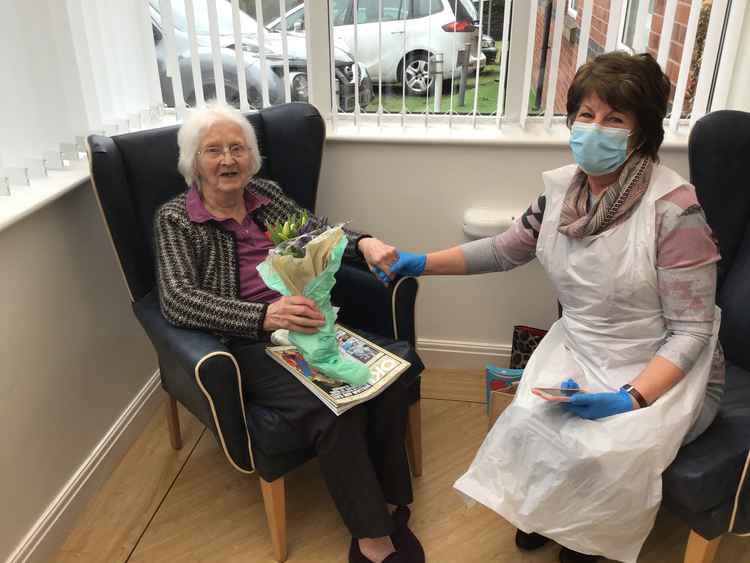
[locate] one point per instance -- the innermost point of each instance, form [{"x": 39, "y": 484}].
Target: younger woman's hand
[
  {"x": 409, "y": 264},
  {"x": 594, "y": 406},
  {"x": 294, "y": 313}
]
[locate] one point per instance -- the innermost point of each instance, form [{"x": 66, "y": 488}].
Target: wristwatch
[{"x": 635, "y": 394}]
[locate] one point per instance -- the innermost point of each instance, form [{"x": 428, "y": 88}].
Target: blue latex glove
[
  {"x": 381, "y": 275},
  {"x": 599, "y": 405},
  {"x": 569, "y": 384},
  {"x": 409, "y": 264}
]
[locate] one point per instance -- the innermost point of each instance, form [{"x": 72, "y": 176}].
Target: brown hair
[{"x": 630, "y": 84}]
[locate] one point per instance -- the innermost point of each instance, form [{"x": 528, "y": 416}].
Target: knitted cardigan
[{"x": 198, "y": 273}]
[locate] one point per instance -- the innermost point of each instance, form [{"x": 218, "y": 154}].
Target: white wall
[
  {"x": 414, "y": 196},
  {"x": 739, "y": 93},
  {"x": 73, "y": 355}
]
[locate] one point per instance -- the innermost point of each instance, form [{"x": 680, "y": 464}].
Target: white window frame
[
  {"x": 643, "y": 7},
  {"x": 572, "y": 10}
]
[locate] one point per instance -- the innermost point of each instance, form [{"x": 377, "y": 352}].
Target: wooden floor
[{"x": 191, "y": 506}]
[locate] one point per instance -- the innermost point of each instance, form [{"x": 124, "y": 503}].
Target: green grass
[{"x": 486, "y": 102}]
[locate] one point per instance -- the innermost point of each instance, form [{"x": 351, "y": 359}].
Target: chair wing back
[
  {"x": 134, "y": 173},
  {"x": 718, "y": 152}
]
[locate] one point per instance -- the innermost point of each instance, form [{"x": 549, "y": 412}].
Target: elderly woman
[
  {"x": 209, "y": 241},
  {"x": 627, "y": 248}
]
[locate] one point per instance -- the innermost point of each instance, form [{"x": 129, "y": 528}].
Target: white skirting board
[
  {"x": 56, "y": 522},
  {"x": 456, "y": 354}
]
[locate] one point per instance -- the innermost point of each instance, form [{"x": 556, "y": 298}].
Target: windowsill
[
  {"x": 25, "y": 200},
  {"x": 463, "y": 133}
]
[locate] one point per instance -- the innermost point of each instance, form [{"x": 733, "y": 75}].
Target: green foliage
[{"x": 291, "y": 228}]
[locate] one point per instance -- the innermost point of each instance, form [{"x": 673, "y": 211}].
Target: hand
[
  {"x": 294, "y": 313},
  {"x": 409, "y": 264},
  {"x": 569, "y": 385},
  {"x": 599, "y": 405},
  {"x": 379, "y": 256}
]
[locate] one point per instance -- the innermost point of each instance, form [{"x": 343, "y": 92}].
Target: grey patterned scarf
[{"x": 616, "y": 203}]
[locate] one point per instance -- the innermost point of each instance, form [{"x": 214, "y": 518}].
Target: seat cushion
[{"x": 706, "y": 472}]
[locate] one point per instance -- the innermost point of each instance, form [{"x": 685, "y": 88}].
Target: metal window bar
[
  {"x": 430, "y": 79},
  {"x": 380, "y": 63},
  {"x": 239, "y": 57},
  {"x": 710, "y": 59},
  {"x": 285, "y": 52},
  {"x": 503, "y": 64},
  {"x": 687, "y": 55},
  {"x": 529, "y": 61},
  {"x": 355, "y": 68},
  {"x": 403, "y": 69},
  {"x": 583, "y": 40},
  {"x": 262, "y": 53},
  {"x": 549, "y": 110},
  {"x": 194, "y": 56},
  {"x": 476, "y": 73},
  {"x": 149, "y": 52},
  {"x": 613, "y": 25},
  {"x": 213, "y": 29},
  {"x": 173, "y": 68},
  {"x": 640, "y": 40},
  {"x": 332, "y": 66},
  {"x": 667, "y": 27},
  {"x": 453, "y": 72}
]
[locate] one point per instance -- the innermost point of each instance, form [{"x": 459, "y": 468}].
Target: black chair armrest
[
  {"x": 368, "y": 305},
  {"x": 200, "y": 372}
]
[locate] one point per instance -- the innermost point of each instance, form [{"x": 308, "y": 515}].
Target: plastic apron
[{"x": 593, "y": 486}]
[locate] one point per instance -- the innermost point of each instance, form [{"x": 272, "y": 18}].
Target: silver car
[{"x": 296, "y": 49}]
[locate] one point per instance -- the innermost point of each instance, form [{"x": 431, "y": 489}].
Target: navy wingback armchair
[
  {"x": 133, "y": 174},
  {"x": 707, "y": 484}
]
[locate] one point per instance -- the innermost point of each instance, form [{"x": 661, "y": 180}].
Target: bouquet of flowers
[{"x": 304, "y": 262}]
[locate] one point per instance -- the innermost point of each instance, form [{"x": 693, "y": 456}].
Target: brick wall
[{"x": 597, "y": 41}]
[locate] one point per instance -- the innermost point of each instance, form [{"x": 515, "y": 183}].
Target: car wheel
[{"x": 418, "y": 80}]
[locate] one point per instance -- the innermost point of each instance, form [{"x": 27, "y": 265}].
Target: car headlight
[
  {"x": 299, "y": 88},
  {"x": 487, "y": 44}
]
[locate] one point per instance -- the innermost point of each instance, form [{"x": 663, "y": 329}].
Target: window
[
  {"x": 465, "y": 10},
  {"x": 636, "y": 26},
  {"x": 572, "y": 8},
  {"x": 426, "y": 8},
  {"x": 342, "y": 12},
  {"x": 293, "y": 18},
  {"x": 393, "y": 10}
]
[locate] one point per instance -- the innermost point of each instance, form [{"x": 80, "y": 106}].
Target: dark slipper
[
  {"x": 355, "y": 555},
  {"x": 527, "y": 542},
  {"x": 403, "y": 538},
  {"x": 570, "y": 556}
]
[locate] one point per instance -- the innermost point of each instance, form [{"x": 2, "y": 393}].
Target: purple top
[{"x": 252, "y": 244}]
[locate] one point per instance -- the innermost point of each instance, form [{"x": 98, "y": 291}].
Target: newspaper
[{"x": 338, "y": 396}]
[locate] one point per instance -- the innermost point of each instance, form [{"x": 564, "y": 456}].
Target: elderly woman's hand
[
  {"x": 378, "y": 255},
  {"x": 294, "y": 313}
]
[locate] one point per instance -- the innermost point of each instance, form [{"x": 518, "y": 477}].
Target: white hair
[{"x": 197, "y": 122}]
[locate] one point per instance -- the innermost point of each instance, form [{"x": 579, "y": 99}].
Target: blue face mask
[{"x": 598, "y": 150}]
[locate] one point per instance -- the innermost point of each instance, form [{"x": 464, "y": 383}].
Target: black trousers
[{"x": 361, "y": 452}]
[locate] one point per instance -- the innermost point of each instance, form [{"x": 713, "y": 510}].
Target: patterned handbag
[{"x": 525, "y": 341}]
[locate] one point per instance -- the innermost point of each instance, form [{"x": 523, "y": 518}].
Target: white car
[{"x": 411, "y": 31}]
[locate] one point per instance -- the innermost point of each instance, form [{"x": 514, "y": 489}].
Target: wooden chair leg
[
  {"x": 699, "y": 549},
  {"x": 173, "y": 421},
  {"x": 274, "y": 501},
  {"x": 414, "y": 438}
]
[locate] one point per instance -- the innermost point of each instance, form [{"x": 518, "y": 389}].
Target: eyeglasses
[{"x": 215, "y": 152}]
